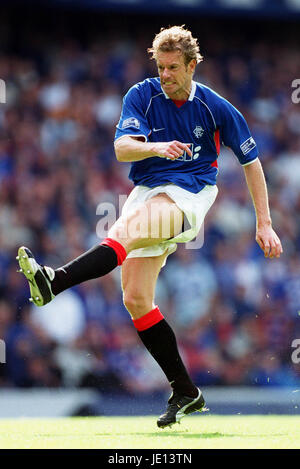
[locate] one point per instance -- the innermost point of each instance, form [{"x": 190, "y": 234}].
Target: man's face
[{"x": 175, "y": 76}]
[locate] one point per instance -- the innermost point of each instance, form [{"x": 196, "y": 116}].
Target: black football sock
[
  {"x": 161, "y": 342},
  {"x": 98, "y": 261}
]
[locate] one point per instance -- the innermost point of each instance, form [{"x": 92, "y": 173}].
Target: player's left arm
[
  {"x": 265, "y": 235},
  {"x": 236, "y": 135}
]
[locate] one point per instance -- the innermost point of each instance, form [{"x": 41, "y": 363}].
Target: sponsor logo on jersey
[
  {"x": 195, "y": 151},
  {"x": 248, "y": 145},
  {"x": 198, "y": 131},
  {"x": 131, "y": 122}
]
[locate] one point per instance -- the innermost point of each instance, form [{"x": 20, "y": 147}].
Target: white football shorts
[{"x": 194, "y": 207}]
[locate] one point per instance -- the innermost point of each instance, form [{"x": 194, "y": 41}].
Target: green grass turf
[{"x": 208, "y": 431}]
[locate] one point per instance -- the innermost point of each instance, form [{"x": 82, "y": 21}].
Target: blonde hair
[{"x": 176, "y": 38}]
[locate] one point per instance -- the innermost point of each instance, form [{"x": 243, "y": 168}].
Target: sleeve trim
[{"x": 250, "y": 162}]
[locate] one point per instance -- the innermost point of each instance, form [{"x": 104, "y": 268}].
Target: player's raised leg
[
  {"x": 45, "y": 282},
  {"x": 157, "y": 219},
  {"x": 139, "y": 277}
]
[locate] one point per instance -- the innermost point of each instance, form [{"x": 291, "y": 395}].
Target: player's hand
[
  {"x": 172, "y": 150},
  {"x": 268, "y": 241}
]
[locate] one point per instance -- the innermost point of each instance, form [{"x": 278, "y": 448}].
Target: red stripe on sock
[
  {"x": 117, "y": 247},
  {"x": 148, "y": 320}
]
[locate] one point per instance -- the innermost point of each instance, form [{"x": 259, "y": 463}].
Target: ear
[{"x": 192, "y": 65}]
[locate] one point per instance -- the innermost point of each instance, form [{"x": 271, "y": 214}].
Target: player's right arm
[
  {"x": 133, "y": 129},
  {"x": 129, "y": 148}
]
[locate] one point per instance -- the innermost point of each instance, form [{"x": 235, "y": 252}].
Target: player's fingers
[
  {"x": 266, "y": 249},
  {"x": 273, "y": 250},
  {"x": 184, "y": 147},
  {"x": 178, "y": 146},
  {"x": 278, "y": 249},
  {"x": 273, "y": 242},
  {"x": 176, "y": 150},
  {"x": 275, "y": 247},
  {"x": 270, "y": 246},
  {"x": 187, "y": 149},
  {"x": 172, "y": 154},
  {"x": 260, "y": 243},
  {"x": 264, "y": 245}
]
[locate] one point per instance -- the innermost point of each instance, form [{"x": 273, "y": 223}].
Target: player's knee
[{"x": 137, "y": 304}]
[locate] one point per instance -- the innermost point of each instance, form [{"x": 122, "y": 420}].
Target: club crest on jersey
[
  {"x": 131, "y": 122},
  {"x": 198, "y": 131}
]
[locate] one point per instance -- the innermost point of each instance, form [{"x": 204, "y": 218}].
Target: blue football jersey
[{"x": 205, "y": 120}]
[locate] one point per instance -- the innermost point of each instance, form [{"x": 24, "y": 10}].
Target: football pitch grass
[{"x": 197, "y": 432}]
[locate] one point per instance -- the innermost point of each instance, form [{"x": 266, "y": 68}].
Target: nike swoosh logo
[{"x": 157, "y": 130}]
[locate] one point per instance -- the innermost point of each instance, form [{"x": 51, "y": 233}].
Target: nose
[{"x": 165, "y": 73}]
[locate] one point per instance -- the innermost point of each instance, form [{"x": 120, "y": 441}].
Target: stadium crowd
[{"x": 235, "y": 313}]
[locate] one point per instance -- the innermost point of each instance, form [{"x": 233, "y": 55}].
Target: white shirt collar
[{"x": 193, "y": 91}]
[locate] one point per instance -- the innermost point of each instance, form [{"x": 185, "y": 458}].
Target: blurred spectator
[
  {"x": 63, "y": 319},
  {"x": 191, "y": 284}
]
